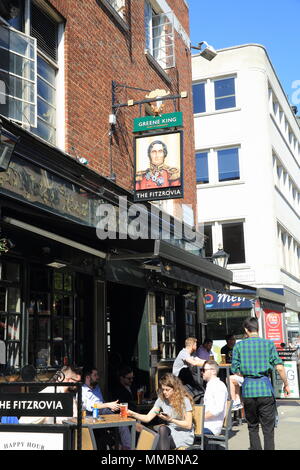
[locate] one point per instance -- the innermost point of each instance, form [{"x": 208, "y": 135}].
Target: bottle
[{"x": 95, "y": 412}]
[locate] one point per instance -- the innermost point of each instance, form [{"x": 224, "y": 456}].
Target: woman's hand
[{"x": 165, "y": 417}]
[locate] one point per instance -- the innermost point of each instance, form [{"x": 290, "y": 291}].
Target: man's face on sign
[{"x": 157, "y": 155}]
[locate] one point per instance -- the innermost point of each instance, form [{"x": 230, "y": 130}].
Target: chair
[
  {"x": 198, "y": 418},
  {"x": 87, "y": 440},
  {"x": 148, "y": 439},
  {"x": 222, "y": 439}
]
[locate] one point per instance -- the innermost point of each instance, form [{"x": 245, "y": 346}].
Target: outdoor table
[{"x": 106, "y": 421}]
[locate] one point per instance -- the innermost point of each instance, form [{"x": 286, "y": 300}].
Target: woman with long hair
[{"x": 174, "y": 406}]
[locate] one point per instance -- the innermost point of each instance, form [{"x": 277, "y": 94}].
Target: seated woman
[{"x": 174, "y": 406}]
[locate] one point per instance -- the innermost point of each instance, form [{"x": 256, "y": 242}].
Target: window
[
  {"x": 190, "y": 316},
  {"x": 224, "y": 93},
  {"x": 159, "y": 31},
  {"x": 45, "y": 30},
  {"x": 208, "y": 244},
  {"x": 202, "y": 167},
  {"x": 30, "y": 62},
  {"x": 233, "y": 241},
  {"x": 119, "y": 6},
  {"x": 228, "y": 164},
  {"x": 199, "y": 98},
  {"x": 165, "y": 310}
]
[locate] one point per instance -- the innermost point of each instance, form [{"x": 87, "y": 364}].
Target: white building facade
[{"x": 247, "y": 144}]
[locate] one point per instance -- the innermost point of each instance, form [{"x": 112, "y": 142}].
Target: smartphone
[{"x": 164, "y": 414}]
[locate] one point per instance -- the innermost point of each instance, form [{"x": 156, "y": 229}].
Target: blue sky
[{"x": 273, "y": 23}]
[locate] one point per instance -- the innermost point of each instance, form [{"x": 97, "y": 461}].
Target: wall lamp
[
  {"x": 208, "y": 52},
  {"x": 8, "y": 142},
  {"x": 220, "y": 257}
]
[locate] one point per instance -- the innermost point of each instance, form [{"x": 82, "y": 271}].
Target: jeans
[{"x": 260, "y": 410}]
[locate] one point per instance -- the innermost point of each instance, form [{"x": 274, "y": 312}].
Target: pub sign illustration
[{"x": 158, "y": 166}]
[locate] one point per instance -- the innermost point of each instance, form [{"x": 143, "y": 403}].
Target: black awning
[
  {"x": 173, "y": 262},
  {"x": 268, "y": 299}
]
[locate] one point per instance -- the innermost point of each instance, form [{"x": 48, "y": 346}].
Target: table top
[{"x": 103, "y": 420}]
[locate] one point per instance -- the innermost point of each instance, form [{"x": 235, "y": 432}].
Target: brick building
[{"x": 64, "y": 65}]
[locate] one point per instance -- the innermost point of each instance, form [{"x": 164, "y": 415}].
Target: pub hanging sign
[
  {"x": 148, "y": 123},
  {"x": 158, "y": 169}
]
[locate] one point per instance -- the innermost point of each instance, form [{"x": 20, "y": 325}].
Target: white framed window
[
  {"x": 224, "y": 89},
  {"x": 119, "y": 6},
  {"x": 43, "y": 30},
  {"x": 230, "y": 235},
  {"x": 159, "y": 36},
  {"x": 18, "y": 76},
  {"x": 219, "y": 165}
]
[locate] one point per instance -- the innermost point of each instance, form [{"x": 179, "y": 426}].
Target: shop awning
[{"x": 173, "y": 262}]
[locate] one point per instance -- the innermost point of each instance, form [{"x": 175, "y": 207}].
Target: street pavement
[{"x": 287, "y": 433}]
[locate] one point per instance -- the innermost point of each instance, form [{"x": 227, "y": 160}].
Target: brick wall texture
[{"x": 97, "y": 51}]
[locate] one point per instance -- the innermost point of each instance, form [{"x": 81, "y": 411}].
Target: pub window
[
  {"x": 10, "y": 315},
  {"x": 190, "y": 316},
  {"x": 165, "y": 310},
  {"x": 159, "y": 32},
  {"x": 223, "y": 322},
  {"x": 30, "y": 67}
]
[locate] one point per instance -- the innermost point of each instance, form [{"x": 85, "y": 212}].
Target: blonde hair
[
  {"x": 190, "y": 341},
  {"x": 179, "y": 393}
]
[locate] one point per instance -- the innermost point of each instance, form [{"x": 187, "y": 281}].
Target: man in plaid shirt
[{"x": 254, "y": 358}]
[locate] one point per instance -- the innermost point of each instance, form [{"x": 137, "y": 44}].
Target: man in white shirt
[
  {"x": 215, "y": 398},
  {"x": 92, "y": 395}
]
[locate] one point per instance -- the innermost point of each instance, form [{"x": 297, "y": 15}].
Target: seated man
[
  {"x": 183, "y": 368},
  {"x": 91, "y": 393},
  {"x": 215, "y": 398},
  {"x": 205, "y": 350},
  {"x": 92, "y": 397},
  {"x": 123, "y": 391},
  {"x": 67, "y": 374}
]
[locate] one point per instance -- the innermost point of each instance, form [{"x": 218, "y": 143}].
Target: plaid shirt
[{"x": 255, "y": 357}]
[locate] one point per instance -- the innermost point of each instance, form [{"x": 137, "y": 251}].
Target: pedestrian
[{"x": 254, "y": 358}]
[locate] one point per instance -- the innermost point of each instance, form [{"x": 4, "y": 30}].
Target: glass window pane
[
  {"x": 68, "y": 333},
  {"x": 13, "y": 354},
  {"x": 14, "y": 300},
  {"x": 225, "y": 93},
  {"x": 45, "y": 131},
  {"x": 199, "y": 98},
  {"x": 68, "y": 282},
  {"x": 9, "y": 271},
  {"x": 224, "y": 103},
  {"x": 58, "y": 281},
  {"x": 228, "y": 163},
  {"x": 13, "y": 331},
  {"x": 45, "y": 70},
  {"x": 202, "y": 167},
  {"x": 58, "y": 305},
  {"x": 233, "y": 242},
  {"x": 46, "y": 112},
  {"x": 43, "y": 354},
  {"x": 44, "y": 330},
  {"x": 45, "y": 91}
]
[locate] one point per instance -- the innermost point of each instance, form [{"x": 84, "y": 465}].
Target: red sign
[{"x": 274, "y": 329}]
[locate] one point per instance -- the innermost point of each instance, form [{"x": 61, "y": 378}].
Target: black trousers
[{"x": 260, "y": 410}]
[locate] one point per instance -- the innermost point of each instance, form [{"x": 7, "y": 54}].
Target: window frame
[
  {"x": 218, "y": 79},
  {"x": 107, "y": 6},
  {"x": 204, "y": 84},
  {"x": 224, "y": 149}
]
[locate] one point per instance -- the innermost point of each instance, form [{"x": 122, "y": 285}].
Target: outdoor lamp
[
  {"x": 220, "y": 258},
  {"x": 7, "y": 145},
  {"x": 208, "y": 52}
]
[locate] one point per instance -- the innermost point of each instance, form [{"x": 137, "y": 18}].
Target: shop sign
[
  {"x": 292, "y": 377},
  {"x": 158, "y": 166},
  {"x": 30, "y": 183},
  {"x": 273, "y": 326},
  {"x": 148, "y": 123},
  {"x": 22, "y": 440},
  {"x": 36, "y": 404},
  {"x": 214, "y": 301}
]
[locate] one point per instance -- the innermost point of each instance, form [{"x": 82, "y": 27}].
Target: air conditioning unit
[{"x": 10, "y": 9}]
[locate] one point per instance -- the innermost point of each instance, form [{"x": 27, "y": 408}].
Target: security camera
[{"x": 208, "y": 52}]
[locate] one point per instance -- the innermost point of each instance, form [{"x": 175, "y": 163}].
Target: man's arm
[
  {"x": 194, "y": 361},
  {"x": 281, "y": 371}
]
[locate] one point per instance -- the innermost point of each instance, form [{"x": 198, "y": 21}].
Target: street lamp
[
  {"x": 220, "y": 257},
  {"x": 7, "y": 145}
]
